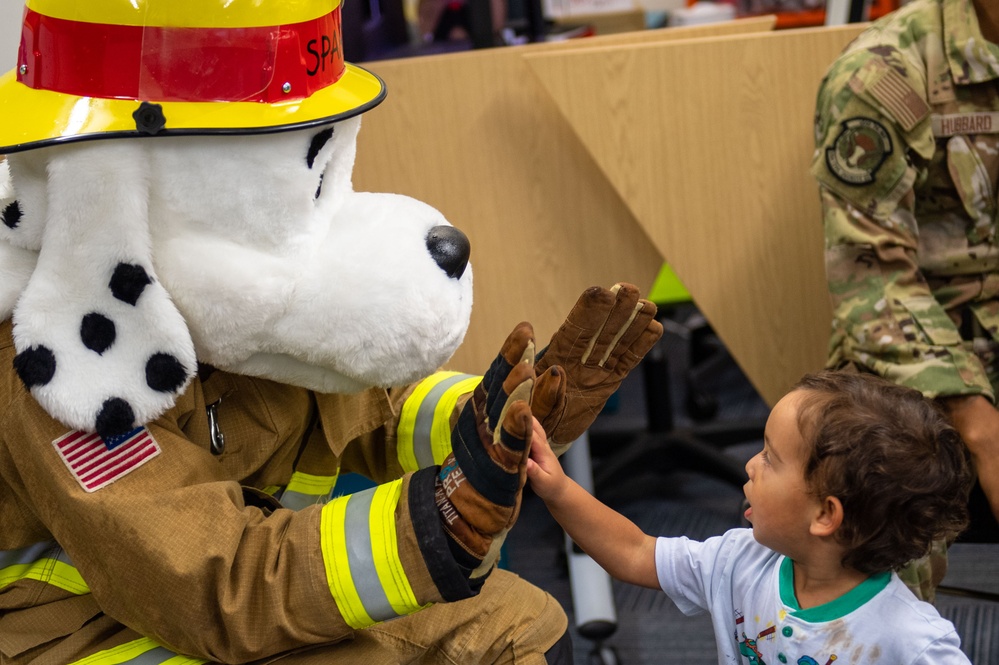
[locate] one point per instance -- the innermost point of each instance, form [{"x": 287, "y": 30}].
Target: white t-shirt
[{"x": 749, "y": 591}]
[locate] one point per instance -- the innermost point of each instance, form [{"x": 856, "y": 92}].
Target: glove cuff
[{"x": 449, "y": 575}]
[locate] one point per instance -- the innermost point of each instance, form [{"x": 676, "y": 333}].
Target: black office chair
[{"x": 663, "y": 447}]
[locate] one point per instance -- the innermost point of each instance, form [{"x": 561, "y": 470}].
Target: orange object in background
[{"x": 807, "y": 18}]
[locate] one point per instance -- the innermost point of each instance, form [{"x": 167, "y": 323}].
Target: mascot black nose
[{"x": 450, "y": 249}]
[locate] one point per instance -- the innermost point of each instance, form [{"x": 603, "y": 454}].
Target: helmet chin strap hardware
[{"x": 149, "y": 119}]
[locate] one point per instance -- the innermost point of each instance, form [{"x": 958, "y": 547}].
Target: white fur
[
  {"x": 335, "y": 294},
  {"x": 29, "y": 170},
  {"x": 16, "y": 264},
  {"x": 6, "y": 188},
  {"x": 97, "y": 217}
]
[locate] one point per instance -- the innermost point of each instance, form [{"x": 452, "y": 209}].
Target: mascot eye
[{"x": 318, "y": 142}]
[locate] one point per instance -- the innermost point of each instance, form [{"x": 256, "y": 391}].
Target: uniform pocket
[
  {"x": 931, "y": 321},
  {"x": 973, "y": 184}
]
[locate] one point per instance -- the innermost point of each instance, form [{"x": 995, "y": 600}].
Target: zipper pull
[{"x": 218, "y": 439}]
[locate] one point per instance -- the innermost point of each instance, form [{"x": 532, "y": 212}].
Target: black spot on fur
[
  {"x": 97, "y": 332},
  {"x": 165, "y": 373},
  {"x": 319, "y": 189},
  {"x": 12, "y": 215},
  {"x": 318, "y": 141},
  {"x": 36, "y": 366},
  {"x": 128, "y": 282},
  {"x": 115, "y": 418}
]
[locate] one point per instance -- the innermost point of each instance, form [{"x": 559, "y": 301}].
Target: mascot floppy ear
[
  {"x": 16, "y": 263},
  {"x": 99, "y": 343}
]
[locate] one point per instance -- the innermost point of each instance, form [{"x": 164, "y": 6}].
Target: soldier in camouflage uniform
[{"x": 907, "y": 159}]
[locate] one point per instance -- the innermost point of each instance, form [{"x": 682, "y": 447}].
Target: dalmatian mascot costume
[{"x": 203, "y": 325}]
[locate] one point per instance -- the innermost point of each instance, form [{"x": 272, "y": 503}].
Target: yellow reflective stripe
[
  {"x": 186, "y": 13},
  {"x": 49, "y": 571},
  {"x": 424, "y": 430},
  {"x": 59, "y": 574},
  {"x": 133, "y": 652},
  {"x": 407, "y": 420},
  {"x": 305, "y": 483},
  {"x": 385, "y": 545},
  {"x": 333, "y": 542},
  {"x": 440, "y": 437},
  {"x": 271, "y": 489},
  {"x": 363, "y": 568},
  {"x": 306, "y": 490}
]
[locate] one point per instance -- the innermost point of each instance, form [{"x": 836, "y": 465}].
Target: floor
[{"x": 649, "y": 628}]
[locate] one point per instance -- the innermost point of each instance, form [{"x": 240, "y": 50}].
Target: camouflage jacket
[{"x": 907, "y": 159}]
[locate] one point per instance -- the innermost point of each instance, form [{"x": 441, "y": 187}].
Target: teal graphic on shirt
[{"x": 750, "y": 647}]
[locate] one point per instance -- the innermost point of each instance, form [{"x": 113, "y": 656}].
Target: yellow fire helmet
[{"x": 121, "y": 68}]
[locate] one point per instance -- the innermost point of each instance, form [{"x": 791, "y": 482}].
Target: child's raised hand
[{"x": 543, "y": 468}]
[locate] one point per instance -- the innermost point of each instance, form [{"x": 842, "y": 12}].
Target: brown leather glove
[
  {"x": 604, "y": 337},
  {"x": 479, "y": 486}
]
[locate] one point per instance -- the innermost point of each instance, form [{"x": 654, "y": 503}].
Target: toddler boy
[{"x": 857, "y": 477}]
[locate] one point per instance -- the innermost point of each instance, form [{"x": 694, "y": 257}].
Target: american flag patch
[{"x": 96, "y": 463}]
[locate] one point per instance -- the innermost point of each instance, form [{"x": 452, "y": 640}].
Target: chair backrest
[{"x": 668, "y": 289}]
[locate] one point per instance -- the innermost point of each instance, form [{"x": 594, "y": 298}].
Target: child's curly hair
[{"x": 892, "y": 459}]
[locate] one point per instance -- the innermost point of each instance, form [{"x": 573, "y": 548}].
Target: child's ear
[{"x": 828, "y": 517}]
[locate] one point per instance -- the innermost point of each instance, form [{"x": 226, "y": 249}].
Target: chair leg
[{"x": 592, "y": 594}]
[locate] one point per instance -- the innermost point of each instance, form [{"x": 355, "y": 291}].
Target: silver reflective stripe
[
  {"x": 304, "y": 490},
  {"x": 43, "y": 562},
  {"x": 29, "y": 554},
  {"x": 361, "y": 557},
  {"x": 152, "y": 657},
  {"x": 62, "y": 556},
  {"x": 142, "y": 651},
  {"x": 422, "y": 447},
  {"x": 297, "y": 500}
]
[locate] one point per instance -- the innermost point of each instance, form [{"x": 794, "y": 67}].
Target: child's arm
[{"x": 614, "y": 541}]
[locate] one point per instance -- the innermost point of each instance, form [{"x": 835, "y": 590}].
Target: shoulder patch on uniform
[
  {"x": 897, "y": 96},
  {"x": 884, "y": 84},
  {"x": 97, "y": 462},
  {"x": 859, "y": 151}
]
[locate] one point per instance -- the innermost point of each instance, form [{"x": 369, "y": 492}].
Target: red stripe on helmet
[{"x": 259, "y": 64}]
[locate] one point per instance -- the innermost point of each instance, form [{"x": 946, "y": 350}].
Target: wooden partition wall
[{"x": 591, "y": 161}]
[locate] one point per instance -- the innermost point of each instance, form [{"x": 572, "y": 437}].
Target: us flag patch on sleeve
[{"x": 96, "y": 462}]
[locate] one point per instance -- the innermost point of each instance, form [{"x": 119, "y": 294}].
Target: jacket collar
[{"x": 971, "y": 58}]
